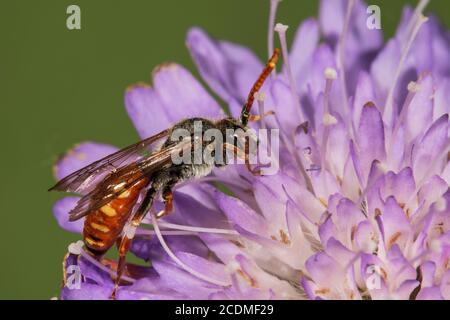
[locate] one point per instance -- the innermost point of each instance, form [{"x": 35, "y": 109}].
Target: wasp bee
[{"x": 111, "y": 187}]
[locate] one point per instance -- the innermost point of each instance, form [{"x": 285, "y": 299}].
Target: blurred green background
[{"x": 59, "y": 87}]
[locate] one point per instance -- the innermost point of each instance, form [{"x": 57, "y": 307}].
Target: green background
[{"x": 59, "y": 87}]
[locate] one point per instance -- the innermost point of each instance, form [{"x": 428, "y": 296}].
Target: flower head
[{"x": 360, "y": 208}]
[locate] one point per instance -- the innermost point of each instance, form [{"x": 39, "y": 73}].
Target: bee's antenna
[{"x": 245, "y": 113}]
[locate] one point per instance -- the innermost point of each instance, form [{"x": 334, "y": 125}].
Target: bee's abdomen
[{"x": 103, "y": 226}]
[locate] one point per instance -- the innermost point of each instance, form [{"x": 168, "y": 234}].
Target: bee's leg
[
  {"x": 253, "y": 118},
  {"x": 238, "y": 152},
  {"x": 167, "y": 196},
  {"x": 128, "y": 235}
]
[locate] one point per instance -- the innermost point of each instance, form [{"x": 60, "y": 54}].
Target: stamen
[
  {"x": 99, "y": 265},
  {"x": 328, "y": 119},
  {"x": 418, "y": 11},
  {"x": 341, "y": 58},
  {"x": 281, "y": 30},
  {"x": 388, "y": 109},
  {"x": 436, "y": 246},
  {"x": 129, "y": 231},
  {"x": 145, "y": 232},
  {"x": 260, "y": 97},
  {"x": 413, "y": 88},
  {"x": 75, "y": 247},
  {"x": 179, "y": 262},
  {"x": 197, "y": 229},
  {"x": 330, "y": 74},
  {"x": 272, "y": 17}
]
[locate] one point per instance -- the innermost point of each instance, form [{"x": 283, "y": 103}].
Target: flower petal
[
  {"x": 240, "y": 214},
  {"x": 182, "y": 95},
  {"x": 146, "y": 110},
  {"x": 304, "y": 44},
  {"x": 420, "y": 110},
  {"x": 430, "y": 146},
  {"x": 176, "y": 95},
  {"x": 61, "y": 211},
  {"x": 80, "y": 156},
  {"x": 370, "y": 137},
  {"x": 229, "y": 69}
]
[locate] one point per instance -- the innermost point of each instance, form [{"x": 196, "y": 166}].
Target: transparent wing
[
  {"x": 121, "y": 180},
  {"x": 84, "y": 181}
]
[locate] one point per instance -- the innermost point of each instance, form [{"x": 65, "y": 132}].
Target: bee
[{"x": 111, "y": 187}]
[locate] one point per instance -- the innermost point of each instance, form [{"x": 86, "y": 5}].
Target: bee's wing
[
  {"x": 85, "y": 180},
  {"x": 125, "y": 177}
]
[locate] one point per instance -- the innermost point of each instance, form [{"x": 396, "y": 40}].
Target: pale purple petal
[
  {"x": 80, "y": 156},
  {"x": 230, "y": 70},
  {"x": 61, "y": 210},
  {"x": 370, "y": 137}
]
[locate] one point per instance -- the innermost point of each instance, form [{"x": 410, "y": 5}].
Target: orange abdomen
[{"x": 103, "y": 226}]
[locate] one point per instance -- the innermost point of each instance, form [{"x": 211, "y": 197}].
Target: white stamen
[
  {"x": 76, "y": 247},
  {"x": 418, "y": 11},
  {"x": 330, "y": 73},
  {"x": 436, "y": 246},
  {"x": 260, "y": 97},
  {"x": 341, "y": 61},
  {"x": 329, "y": 119},
  {"x": 129, "y": 231},
  {"x": 441, "y": 204},
  {"x": 99, "y": 265},
  {"x": 281, "y": 30},
  {"x": 281, "y": 27},
  {"x": 382, "y": 167},
  {"x": 388, "y": 109},
  {"x": 414, "y": 87},
  {"x": 231, "y": 267},
  {"x": 197, "y": 229},
  {"x": 272, "y": 17},
  {"x": 181, "y": 263},
  {"x": 145, "y": 232}
]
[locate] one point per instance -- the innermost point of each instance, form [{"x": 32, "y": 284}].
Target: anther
[
  {"x": 330, "y": 73},
  {"x": 129, "y": 231},
  {"x": 75, "y": 247},
  {"x": 279, "y": 27},
  {"x": 260, "y": 96},
  {"x": 329, "y": 119},
  {"x": 413, "y": 87}
]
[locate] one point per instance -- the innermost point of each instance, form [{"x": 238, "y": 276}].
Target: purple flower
[{"x": 360, "y": 208}]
